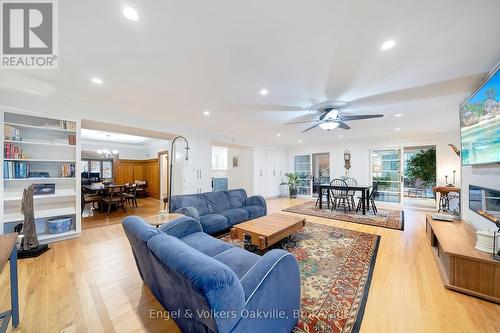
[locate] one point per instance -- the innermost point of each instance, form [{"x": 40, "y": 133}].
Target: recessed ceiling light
[
  {"x": 389, "y": 44},
  {"x": 341, "y": 136},
  {"x": 264, "y": 92},
  {"x": 130, "y": 13},
  {"x": 206, "y": 113},
  {"x": 299, "y": 141},
  {"x": 397, "y": 115},
  {"x": 278, "y": 134},
  {"x": 397, "y": 129},
  {"x": 96, "y": 80}
]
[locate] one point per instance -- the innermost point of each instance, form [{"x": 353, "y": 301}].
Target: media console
[{"x": 462, "y": 267}]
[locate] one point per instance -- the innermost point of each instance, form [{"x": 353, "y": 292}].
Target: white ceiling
[
  {"x": 184, "y": 57},
  {"x": 93, "y": 135}
]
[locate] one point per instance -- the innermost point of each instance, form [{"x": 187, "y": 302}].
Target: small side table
[
  {"x": 161, "y": 218},
  {"x": 8, "y": 251}
]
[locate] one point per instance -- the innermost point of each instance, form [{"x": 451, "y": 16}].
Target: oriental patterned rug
[
  {"x": 385, "y": 218},
  {"x": 336, "y": 269}
]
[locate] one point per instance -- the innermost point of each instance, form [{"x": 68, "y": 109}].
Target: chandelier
[{"x": 108, "y": 154}]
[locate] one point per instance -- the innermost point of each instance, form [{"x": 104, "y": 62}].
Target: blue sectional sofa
[
  {"x": 208, "y": 285},
  {"x": 219, "y": 211}
]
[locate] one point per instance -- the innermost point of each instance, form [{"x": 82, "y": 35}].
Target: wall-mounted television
[{"x": 480, "y": 123}]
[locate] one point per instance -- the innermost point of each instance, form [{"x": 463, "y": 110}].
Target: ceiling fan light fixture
[{"x": 329, "y": 125}]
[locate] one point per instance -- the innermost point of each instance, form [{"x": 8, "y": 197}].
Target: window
[
  {"x": 97, "y": 168},
  {"x": 219, "y": 158},
  {"x": 107, "y": 169}
]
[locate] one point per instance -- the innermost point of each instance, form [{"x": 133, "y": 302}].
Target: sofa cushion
[
  {"x": 239, "y": 260},
  {"x": 237, "y": 198},
  {"x": 191, "y": 200},
  {"x": 216, "y": 201},
  {"x": 255, "y": 211},
  {"x": 206, "y": 244},
  {"x": 235, "y": 215},
  {"x": 214, "y": 223}
]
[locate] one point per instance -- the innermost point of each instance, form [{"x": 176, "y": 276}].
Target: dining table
[{"x": 363, "y": 189}]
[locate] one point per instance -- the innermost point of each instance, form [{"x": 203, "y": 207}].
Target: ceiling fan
[{"x": 331, "y": 117}]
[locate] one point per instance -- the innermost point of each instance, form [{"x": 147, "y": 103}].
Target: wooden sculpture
[{"x": 30, "y": 239}]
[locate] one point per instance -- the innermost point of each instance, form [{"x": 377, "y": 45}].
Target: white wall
[
  {"x": 486, "y": 176},
  {"x": 446, "y": 159},
  {"x": 128, "y": 151}
]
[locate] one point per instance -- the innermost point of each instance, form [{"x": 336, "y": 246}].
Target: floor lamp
[{"x": 172, "y": 158}]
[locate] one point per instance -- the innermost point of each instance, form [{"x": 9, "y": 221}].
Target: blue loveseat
[
  {"x": 208, "y": 285},
  {"x": 219, "y": 211}
]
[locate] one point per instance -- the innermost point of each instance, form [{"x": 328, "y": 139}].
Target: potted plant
[{"x": 293, "y": 181}]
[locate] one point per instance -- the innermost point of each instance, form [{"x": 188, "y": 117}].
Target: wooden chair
[
  {"x": 89, "y": 197},
  {"x": 339, "y": 196},
  {"x": 351, "y": 182},
  {"x": 142, "y": 187},
  {"x": 371, "y": 197},
  {"x": 131, "y": 195},
  {"x": 114, "y": 196},
  {"x": 418, "y": 187}
]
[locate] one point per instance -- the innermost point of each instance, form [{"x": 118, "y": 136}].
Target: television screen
[{"x": 480, "y": 124}]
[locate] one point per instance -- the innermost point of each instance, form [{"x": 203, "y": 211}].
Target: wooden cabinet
[
  {"x": 461, "y": 266},
  {"x": 195, "y": 174},
  {"x": 128, "y": 171}
]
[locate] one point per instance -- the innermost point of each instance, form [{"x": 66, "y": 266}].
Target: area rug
[
  {"x": 385, "y": 218},
  {"x": 336, "y": 267}
]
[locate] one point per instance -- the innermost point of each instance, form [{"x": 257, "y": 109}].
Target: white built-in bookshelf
[{"x": 40, "y": 149}]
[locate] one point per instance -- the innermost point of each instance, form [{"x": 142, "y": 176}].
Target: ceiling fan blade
[
  {"x": 343, "y": 125},
  {"x": 302, "y": 122},
  {"x": 359, "y": 117},
  {"x": 313, "y": 126},
  {"x": 329, "y": 104}
]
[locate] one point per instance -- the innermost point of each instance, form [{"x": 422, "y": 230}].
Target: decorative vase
[{"x": 293, "y": 193}]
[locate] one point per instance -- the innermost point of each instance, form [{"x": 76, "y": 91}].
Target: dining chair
[
  {"x": 131, "y": 194},
  {"x": 316, "y": 184},
  {"x": 89, "y": 197},
  {"x": 114, "y": 196},
  {"x": 371, "y": 197},
  {"x": 351, "y": 182},
  {"x": 339, "y": 196}
]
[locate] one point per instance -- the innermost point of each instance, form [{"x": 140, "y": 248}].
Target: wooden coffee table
[{"x": 267, "y": 230}]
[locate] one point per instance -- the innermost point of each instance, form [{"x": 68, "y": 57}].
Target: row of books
[
  {"x": 68, "y": 125},
  {"x": 68, "y": 170},
  {"x": 14, "y": 170},
  {"x": 12, "y": 151},
  {"x": 12, "y": 133}
]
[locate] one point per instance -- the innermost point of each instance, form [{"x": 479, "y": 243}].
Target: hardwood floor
[
  {"x": 97, "y": 219},
  {"x": 91, "y": 284}
]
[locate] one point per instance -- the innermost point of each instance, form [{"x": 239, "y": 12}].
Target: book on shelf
[
  {"x": 67, "y": 125},
  {"x": 68, "y": 170},
  {"x": 72, "y": 139},
  {"x": 15, "y": 170},
  {"x": 13, "y": 151},
  {"x": 12, "y": 133}
]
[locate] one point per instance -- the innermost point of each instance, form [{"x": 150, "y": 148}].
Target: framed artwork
[{"x": 236, "y": 161}]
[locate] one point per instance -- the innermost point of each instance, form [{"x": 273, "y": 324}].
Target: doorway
[
  {"x": 405, "y": 175},
  {"x": 163, "y": 165},
  {"x": 419, "y": 176},
  {"x": 320, "y": 171}
]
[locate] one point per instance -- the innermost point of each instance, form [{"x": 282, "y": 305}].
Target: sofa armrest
[
  {"x": 257, "y": 200},
  {"x": 272, "y": 284},
  {"x": 189, "y": 211},
  {"x": 181, "y": 227}
]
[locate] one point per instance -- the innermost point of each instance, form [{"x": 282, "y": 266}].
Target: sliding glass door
[
  {"x": 387, "y": 171},
  {"x": 302, "y": 166}
]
